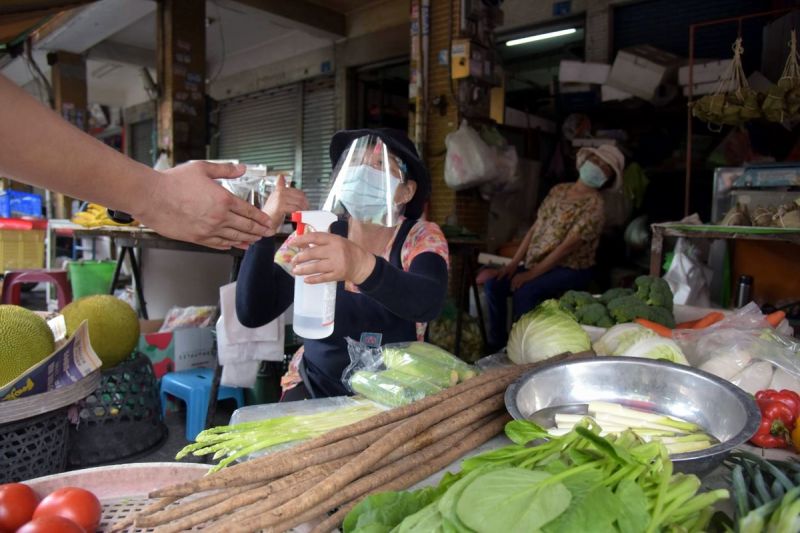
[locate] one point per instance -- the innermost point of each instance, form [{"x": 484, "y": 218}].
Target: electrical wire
[{"x": 222, "y": 44}]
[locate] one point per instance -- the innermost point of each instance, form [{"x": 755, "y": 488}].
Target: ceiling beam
[
  {"x": 303, "y": 15},
  {"x": 123, "y": 53},
  {"x": 13, "y": 7}
]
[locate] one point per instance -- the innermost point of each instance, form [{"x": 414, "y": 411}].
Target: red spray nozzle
[{"x": 297, "y": 217}]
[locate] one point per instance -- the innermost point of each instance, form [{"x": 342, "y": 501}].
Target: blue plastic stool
[{"x": 194, "y": 388}]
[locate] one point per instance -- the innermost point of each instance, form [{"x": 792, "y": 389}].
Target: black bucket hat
[{"x": 401, "y": 146}]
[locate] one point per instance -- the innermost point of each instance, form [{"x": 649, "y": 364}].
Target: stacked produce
[
  {"x": 544, "y": 332},
  {"x": 782, "y": 103},
  {"x": 650, "y": 299},
  {"x": 734, "y": 102},
  {"x": 388, "y": 451},
  {"x": 635, "y": 340},
  {"x": 230, "y": 443},
  {"x": 783, "y": 216},
  {"x": 678, "y": 436},
  {"x": 65, "y": 510},
  {"x": 25, "y": 340},
  {"x": 405, "y": 372},
  {"x": 766, "y": 494},
  {"x": 577, "y": 482}
]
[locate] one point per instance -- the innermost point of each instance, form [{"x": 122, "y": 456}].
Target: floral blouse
[{"x": 561, "y": 217}]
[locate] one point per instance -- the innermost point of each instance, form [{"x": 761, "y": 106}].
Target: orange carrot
[
  {"x": 775, "y": 318},
  {"x": 658, "y": 328},
  {"x": 689, "y": 324},
  {"x": 711, "y": 318}
]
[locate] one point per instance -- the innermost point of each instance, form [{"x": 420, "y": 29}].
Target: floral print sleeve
[
  {"x": 424, "y": 237},
  {"x": 285, "y": 254}
]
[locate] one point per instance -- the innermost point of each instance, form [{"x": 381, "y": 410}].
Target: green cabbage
[
  {"x": 621, "y": 337},
  {"x": 544, "y": 332},
  {"x": 657, "y": 348}
]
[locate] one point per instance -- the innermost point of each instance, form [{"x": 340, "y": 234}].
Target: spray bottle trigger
[{"x": 297, "y": 217}]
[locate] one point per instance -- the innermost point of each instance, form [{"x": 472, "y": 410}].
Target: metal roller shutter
[
  {"x": 261, "y": 127},
  {"x": 319, "y": 125},
  {"x": 141, "y": 146}
]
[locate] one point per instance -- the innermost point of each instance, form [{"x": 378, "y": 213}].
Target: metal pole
[{"x": 688, "y": 182}]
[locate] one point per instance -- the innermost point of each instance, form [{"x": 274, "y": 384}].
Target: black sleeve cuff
[{"x": 374, "y": 280}]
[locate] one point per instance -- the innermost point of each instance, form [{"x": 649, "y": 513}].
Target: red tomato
[
  {"x": 73, "y": 503},
  {"x": 51, "y": 524},
  {"x": 17, "y": 502}
]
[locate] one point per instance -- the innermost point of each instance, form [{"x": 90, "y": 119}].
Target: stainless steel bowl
[{"x": 725, "y": 411}]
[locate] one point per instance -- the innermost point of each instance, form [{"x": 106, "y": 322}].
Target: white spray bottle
[{"x": 314, "y": 304}]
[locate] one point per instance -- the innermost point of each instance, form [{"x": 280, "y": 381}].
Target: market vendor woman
[
  {"x": 391, "y": 267},
  {"x": 559, "y": 249}
]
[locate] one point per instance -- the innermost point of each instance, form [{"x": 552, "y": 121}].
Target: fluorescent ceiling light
[{"x": 540, "y": 37}]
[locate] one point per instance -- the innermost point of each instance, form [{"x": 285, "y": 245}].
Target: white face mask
[{"x": 364, "y": 193}]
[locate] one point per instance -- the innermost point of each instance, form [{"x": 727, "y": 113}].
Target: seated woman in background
[
  {"x": 391, "y": 266},
  {"x": 559, "y": 249}
]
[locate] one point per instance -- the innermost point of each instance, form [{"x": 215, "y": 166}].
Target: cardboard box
[
  {"x": 710, "y": 87},
  {"x": 704, "y": 71},
  {"x": 641, "y": 70},
  {"x": 177, "y": 350},
  {"x": 579, "y": 72}
]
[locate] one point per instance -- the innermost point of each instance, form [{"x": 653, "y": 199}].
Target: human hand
[
  {"x": 508, "y": 271},
  {"x": 282, "y": 201},
  {"x": 185, "y": 204},
  {"x": 520, "y": 279},
  {"x": 331, "y": 258}
]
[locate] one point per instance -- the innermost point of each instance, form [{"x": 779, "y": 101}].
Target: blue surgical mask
[
  {"x": 364, "y": 193},
  {"x": 592, "y": 175}
]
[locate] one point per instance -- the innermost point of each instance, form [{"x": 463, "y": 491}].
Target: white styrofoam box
[
  {"x": 640, "y": 70},
  {"x": 708, "y": 88},
  {"x": 579, "y": 72},
  {"x": 593, "y": 143},
  {"x": 575, "y": 88},
  {"x": 521, "y": 119},
  {"x": 759, "y": 82},
  {"x": 704, "y": 71},
  {"x": 609, "y": 93}
]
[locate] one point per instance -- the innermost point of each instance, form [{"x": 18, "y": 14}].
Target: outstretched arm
[{"x": 42, "y": 149}]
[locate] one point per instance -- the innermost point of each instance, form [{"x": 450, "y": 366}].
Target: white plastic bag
[
  {"x": 688, "y": 277},
  {"x": 469, "y": 161}
]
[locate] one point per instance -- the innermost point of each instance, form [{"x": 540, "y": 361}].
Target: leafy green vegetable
[
  {"x": 524, "y": 431},
  {"x": 571, "y": 301},
  {"x": 511, "y": 500},
  {"x": 544, "y": 332},
  {"x": 594, "y": 314},
  {"x": 613, "y": 294},
  {"x": 654, "y": 291},
  {"x": 633, "y": 516},
  {"x": 621, "y": 337}
]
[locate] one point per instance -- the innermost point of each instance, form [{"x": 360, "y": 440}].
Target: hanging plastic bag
[
  {"x": 733, "y": 102},
  {"x": 469, "y": 161},
  {"x": 688, "y": 277}
]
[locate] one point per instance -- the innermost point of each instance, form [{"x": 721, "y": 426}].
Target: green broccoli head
[
  {"x": 654, "y": 291},
  {"x": 661, "y": 316},
  {"x": 627, "y": 308},
  {"x": 594, "y": 314},
  {"x": 573, "y": 300},
  {"x": 613, "y": 294}
]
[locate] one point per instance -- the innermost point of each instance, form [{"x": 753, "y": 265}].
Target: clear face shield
[{"x": 369, "y": 184}]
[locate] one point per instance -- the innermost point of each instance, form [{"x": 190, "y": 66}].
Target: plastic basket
[
  {"x": 122, "y": 418},
  {"x": 21, "y": 249},
  {"x": 20, "y": 204},
  {"x": 33, "y": 447},
  {"x": 90, "y": 277}
]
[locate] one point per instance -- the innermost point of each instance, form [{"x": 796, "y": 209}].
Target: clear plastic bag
[
  {"x": 744, "y": 350},
  {"x": 188, "y": 317},
  {"x": 400, "y": 373}
]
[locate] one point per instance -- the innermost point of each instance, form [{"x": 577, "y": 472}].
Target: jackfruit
[
  {"x": 25, "y": 339},
  {"x": 113, "y": 326}
]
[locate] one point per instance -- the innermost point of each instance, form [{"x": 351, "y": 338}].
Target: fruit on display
[
  {"x": 113, "y": 326},
  {"x": 25, "y": 339}
]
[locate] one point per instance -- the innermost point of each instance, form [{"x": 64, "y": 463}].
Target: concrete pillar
[
  {"x": 181, "y": 79},
  {"x": 68, "y": 72},
  {"x": 597, "y": 43}
]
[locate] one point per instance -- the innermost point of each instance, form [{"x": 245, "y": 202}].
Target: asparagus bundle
[{"x": 391, "y": 450}]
